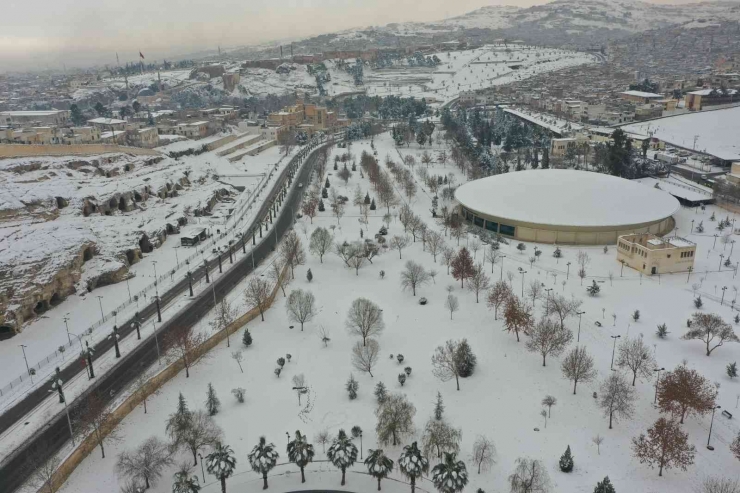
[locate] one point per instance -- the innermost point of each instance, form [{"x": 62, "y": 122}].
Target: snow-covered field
[{"x": 501, "y": 400}]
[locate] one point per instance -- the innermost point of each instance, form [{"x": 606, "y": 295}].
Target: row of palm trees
[{"x": 449, "y": 476}]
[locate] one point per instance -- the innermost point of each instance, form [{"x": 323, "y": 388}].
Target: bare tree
[
  {"x": 399, "y": 243},
  {"x": 479, "y": 281},
  {"x": 452, "y": 304},
  {"x": 323, "y": 437},
  {"x": 435, "y": 243},
  {"x": 665, "y": 446},
  {"x": 534, "y": 290},
  {"x": 484, "y": 453},
  {"x": 546, "y": 337},
  {"x": 324, "y": 335},
  {"x": 617, "y": 397},
  {"x": 578, "y": 366},
  {"x": 225, "y": 316},
  {"x": 719, "y": 485},
  {"x": 41, "y": 470},
  {"x": 97, "y": 421},
  {"x": 365, "y": 319},
  {"x": 301, "y": 306},
  {"x": 530, "y": 476},
  {"x": 395, "y": 419},
  {"x": 321, "y": 242},
  {"x": 474, "y": 246},
  {"x": 238, "y": 356},
  {"x": 414, "y": 276},
  {"x": 636, "y": 355},
  {"x": 183, "y": 343},
  {"x": 337, "y": 205},
  {"x": 710, "y": 329},
  {"x": 598, "y": 440},
  {"x": 146, "y": 462},
  {"x": 446, "y": 364},
  {"x": 257, "y": 295},
  {"x": 440, "y": 437},
  {"x": 492, "y": 254},
  {"x": 562, "y": 307},
  {"x": 201, "y": 432},
  {"x": 497, "y": 296},
  {"x": 365, "y": 356},
  {"x": 141, "y": 384},
  {"x": 517, "y": 316},
  {"x": 278, "y": 275},
  {"x": 299, "y": 386},
  {"x": 291, "y": 251},
  {"x": 415, "y": 226}
]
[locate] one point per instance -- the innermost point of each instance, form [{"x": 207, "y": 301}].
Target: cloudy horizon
[{"x": 84, "y": 33}]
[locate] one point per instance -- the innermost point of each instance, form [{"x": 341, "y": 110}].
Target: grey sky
[{"x": 41, "y": 33}]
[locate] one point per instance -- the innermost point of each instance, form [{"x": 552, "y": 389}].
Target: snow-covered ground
[{"x": 501, "y": 400}]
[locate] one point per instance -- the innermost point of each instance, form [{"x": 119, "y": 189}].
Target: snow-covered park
[{"x": 503, "y": 398}]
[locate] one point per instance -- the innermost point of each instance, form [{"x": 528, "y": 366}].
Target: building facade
[{"x": 651, "y": 254}]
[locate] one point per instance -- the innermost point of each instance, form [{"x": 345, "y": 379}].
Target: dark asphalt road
[{"x": 50, "y": 439}]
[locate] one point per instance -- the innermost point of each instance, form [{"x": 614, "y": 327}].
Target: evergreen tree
[
  {"x": 439, "y": 407},
  {"x": 378, "y": 465},
  {"x": 732, "y": 370},
  {"x": 466, "y": 359},
  {"x": 212, "y": 402},
  {"x": 300, "y": 452},
  {"x": 373, "y": 207},
  {"x": 352, "y": 387},
  {"x": 381, "y": 394},
  {"x": 342, "y": 453},
  {"x": 184, "y": 482},
  {"x": 247, "y": 338},
  {"x": 221, "y": 463},
  {"x": 593, "y": 289},
  {"x": 367, "y": 199},
  {"x": 180, "y": 422},
  {"x": 566, "y": 461},
  {"x": 263, "y": 458},
  {"x": 412, "y": 464},
  {"x": 309, "y": 275},
  {"x": 605, "y": 486},
  {"x": 76, "y": 115}
]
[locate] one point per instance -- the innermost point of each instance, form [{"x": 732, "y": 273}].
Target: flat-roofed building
[
  {"x": 651, "y": 254},
  {"x": 640, "y": 96},
  {"x": 51, "y": 117}
]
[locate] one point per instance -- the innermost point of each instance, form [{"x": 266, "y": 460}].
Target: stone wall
[{"x": 17, "y": 150}]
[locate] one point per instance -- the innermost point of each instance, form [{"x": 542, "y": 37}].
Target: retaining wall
[{"x": 19, "y": 150}]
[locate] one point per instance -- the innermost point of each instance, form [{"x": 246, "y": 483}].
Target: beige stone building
[{"x": 652, "y": 254}]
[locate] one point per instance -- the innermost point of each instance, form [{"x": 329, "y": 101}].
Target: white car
[{"x": 300, "y": 185}]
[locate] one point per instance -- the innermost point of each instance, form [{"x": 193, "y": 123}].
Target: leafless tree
[
  {"x": 546, "y": 337},
  {"x": 323, "y": 437},
  {"x": 399, "y": 243},
  {"x": 617, "y": 397},
  {"x": 365, "y": 319},
  {"x": 183, "y": 343},
  {"x": 321, "y": 242},
  {"x": 517, "y": 316},
  {"x": 665, "y": 446},
  {"x": 238, "y": 356},
  {"x": 301, "y": 306},
  {"x": 291, "y": 251},
  {"x": 257, "y": 295},
  {"x": 578, "y": 366},
  {"x": 498, "y": 295},
  {"x": 492, "y": 254},
  {"x": 356, "y": 256},
  {"x": 414, "y": 276},
  {"x": 636, "y": 355},
  {"x": 583, "y": 259},
  {"x": 225, "y": 315},
  {"x": 433, "y": 274},
  {"x": 299, "y": 386},
  {"x": 598, "y": 440},
  {"x": 448, "y": 255},
  {"x": 530, "y": 476},
  {"x": 406, "y": 216},
  {"x": 719, "y": 485},
  {"x": 474, "y": 246},
  {"x": 364, "y": 357},
  {"x": 446, "y": 364},
  {"x": 41, "y": 470},
  {"x": 562, "y": 307},
  {"x": 141, "y": 384},
  {"x": 440, "y": 437},
  {"x": 484, "y": 453},
  {"x": 510, "y": 277},
  {"x": 415, "y": 226},
  {"x": 395, "y": 419},
  {"x": 710, "y": 329},
  {"x": 95, "y": 420},
  {"x": 146, "y": 462},
  {"x": 324, "y": 335},
  {"x": 452, "y": 304},
  {"x": 436, "y": 243},
  {"x": 386, "y": 195},
  {"x": 201, "y": 432},
  {"x": 479, "y": 281},
  {"x": 534, "y": 290},
  {"x": 278, "y": 275}
]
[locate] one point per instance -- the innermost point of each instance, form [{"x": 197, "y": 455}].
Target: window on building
[
  {"x": 491, "y": 226},
  {"x": 507, "y": 230},
  {"x": 478, "y": 221}
]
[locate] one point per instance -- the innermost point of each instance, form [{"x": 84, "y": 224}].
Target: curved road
[{"x": 50, "y": 439}]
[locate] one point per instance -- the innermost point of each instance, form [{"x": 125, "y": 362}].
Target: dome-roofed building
[{"x": 565, "y": 206}]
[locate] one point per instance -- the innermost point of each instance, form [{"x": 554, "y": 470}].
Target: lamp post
[
  {"x": 567, "y": 274},
  {"x": 159, "y": 311},
  {"x": 156, "y": 341},
  {"x": 128, "y": 287},
  {"x": 501, "y": 278},
  {"x": 100, "y": 302},
  {"x": 547, "y": 296},
  {"x": 715, "y": 241},
  {"x": 190, "y": 283},
  {"x": 657, "y": 382},
  {"x": 614, "y": 349},
  {"x": 689, "y": 276},
  {"x": 579, "y": 325},
  {"x": 523, "y": 272},
  {"x": 621, "y": 272},
  {"x": 66, "y": 318},
  {"x": 721, "y": 301},
  {"x": 23, "y": 348},
  {"x": 176, "y": 257},
  {"x": 692, "y": 225},
  {"x": 732, "y": 246},
  {"x": 202, "y": 471},
  {"x": 57, "y": 385},
  {"x": 721, "y": 256},
  {"x": 711, "y": 423},
  {"x": 114, "y": 335}
]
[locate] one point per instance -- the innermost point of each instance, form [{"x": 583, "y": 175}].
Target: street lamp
[
  {"x": 709, "y": 447},
  {"x": 721, "y": 256},
  {"x": 190, "y": 283},
  {"x": 614, "y": 349},
  {"x": 523, "y": 272},
  {"x": 657, "y": 382},
  {"x": 100, "y": 302},
  {"x": 579, "y": 325},
  {"x": 715, "y": 241},
  {"x": 66, "y": 318},
  {"x": 547, "y": 307},
  {"x": 202, "y": 471},
  {"x": 567, "y": 274},
  {"x": 723, "y": 295},
  {"x": 57, "y": 385},
  {"x": 23, "y": 348},
  {"x": 502, "y": 267}
]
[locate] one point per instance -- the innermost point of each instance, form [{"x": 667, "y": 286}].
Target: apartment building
[{"x": 40, "y": 118}]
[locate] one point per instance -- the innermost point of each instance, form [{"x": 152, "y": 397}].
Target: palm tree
[
  {"x": 412, "y": 464},
  {"x": 184, "y": 482},
  {"x": 450, "y": 475},
  {"x": 342, "y": 453},
  {"x": 221, "y": 463},
  {"x": 301, "y": 452},
  {"x": 263, "y": 458},
  {"x": 378, "y": 465}
]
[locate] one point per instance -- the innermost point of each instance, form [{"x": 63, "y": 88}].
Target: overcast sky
[{"x": 46, "y": 33}]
